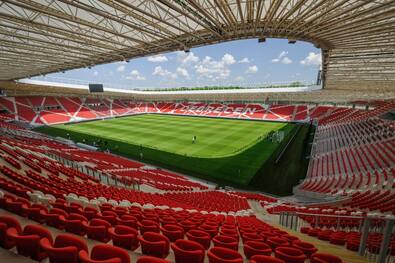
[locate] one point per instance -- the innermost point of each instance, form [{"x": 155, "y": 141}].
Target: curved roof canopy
[{"x": 357, "y": 37}]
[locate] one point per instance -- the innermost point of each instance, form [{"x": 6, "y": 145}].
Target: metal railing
[{"x": 373, "y": 233}]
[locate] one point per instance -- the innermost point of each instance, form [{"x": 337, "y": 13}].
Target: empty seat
[
  {"x": 97, "y": 229},
  {"x": 148, "y": 226},
  {"x": 290, "y": 254},
  {"x": 104, "y": 253},
  {"x": 226, "y": 241},
  {"x": 89, "y": 212},
  {"x": 338, "y": 239},
  {"x": 324, "y": 258},
  {"x": 223, "y": 255},
  {"x": 252, "y": 248},
  {"x": 199, "y": 236},
  {"x": 265, "y": 259},
  {"x": 252, "y": 237},
  {"x": 109, "y": 216},
  {"x": 149, "y": 259},
  {"x": 307, "y": 248},
  {"x": 55, "y": 218},
  {"x": 172, "y": 232},
  {"x": 18, "y": 206},
  {"x": 274, "y": 242},
  {"x": 7, "y": 222},
  {"x": 229, "y": 232},
  {"x": 124, "y": 236},
  {"x": 188, "y": 251},
  {"x": 128, "y": 220},
  {"x": 65, "y": 249},
  {"x": 37, "y": 212},
  {"x": 154, "y": 244},
  {"x": 28, "y": 242},
  {"x": 74, "y": 224},
  {"x": 212, "y": 230}
]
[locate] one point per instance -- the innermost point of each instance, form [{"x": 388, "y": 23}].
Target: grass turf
[{"x": 227, "y": 151}]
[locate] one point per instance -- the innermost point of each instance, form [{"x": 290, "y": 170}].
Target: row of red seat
[
  {"x": 125, "y": 170},
  {"x": 286, "y": 247},
  {"x": 350, "y": 239},
  {"x": 354, "y": 149},
  {"x": 77, "y": 183},
  {"x": 51, "y": 110},
  {"x": 36, "y": 242}
]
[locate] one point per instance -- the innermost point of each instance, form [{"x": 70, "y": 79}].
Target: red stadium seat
[
  {"x": 305, "y": 230},
  {"x": 290, "y": 254},
  {"x": 89, "y": 212},
  {"x": 128, "y": 220},
  {"x": 223, "y": 255},
  {"x": 74, "y": 224},
  {"x": 188, "y": 251},
  {"x": 37, "y": 212},
  {"x": 212, "y": 230},
  {"x": 324, "y": 258},
  {"x": 277, "y": 242},
  {"x": 232, "y": 232},
  {"x": 124, "y": 237},
  {"x": 97, "y": 229},
  {"x": 252, "y": 248},
  {"x": 5, "y": 199},
  {"x": 148, "y": 226},
  {"x": 7, "y": 222},
  {"x": 55, "y": 218},
  {"x": 252, "y": 237},
  {"x": 149, "y": 259},
  {"x": 199, "y": 236},
  {"x": 188, "y": 225},
  {"x": 265, "y": 259},
  {"x": 105, "y": 254},
  {"x": 172, "y": 232},
  {"x": 28, "y": 242},
  {"x": 226, "y": 241},
  {"x": 307, "y": 248},
  {"x": 18, "y": 206},
  {"x": 65, "y": 249},
  {"x": 154, "y": 244}
]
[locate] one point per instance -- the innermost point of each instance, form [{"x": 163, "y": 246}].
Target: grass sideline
[{"x": 227, "y": 151}]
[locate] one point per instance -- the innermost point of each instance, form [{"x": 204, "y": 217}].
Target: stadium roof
[
  {"x": 296, "y": 94},
  {"x": 357, "y": 37}
]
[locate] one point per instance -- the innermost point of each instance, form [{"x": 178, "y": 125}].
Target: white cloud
[
  {"x": 95, "y": 73},
  {"x": 182, "y": 72},
  {"x": 135, "y": 75},
  {"x": 286, "y": 60},
  {"x": 187, "y": 59},
  {"x": 252, "y": 70},
  {"x": 279, "y": 57},
  {"x": 159, "y": 71},
  {"x": 312, "y": 59},
  {"x": 244, "y": 60},
  {"x": 282, "y": 57},
  {"x": 157, "y": 59},
  {"x": 121, "y": 68},
  {"x": 228, "y": 59},
  {"x": 215, "y": 69},
  {"x": 239, "y": 78}
]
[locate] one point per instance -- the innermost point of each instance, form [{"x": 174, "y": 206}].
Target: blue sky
[{"x": 243, "y": 63}]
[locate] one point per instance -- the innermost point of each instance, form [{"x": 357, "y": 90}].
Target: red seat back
[{"x": 188, "y": 251}]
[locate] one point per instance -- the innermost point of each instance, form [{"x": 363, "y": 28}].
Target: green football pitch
[{"x": 226, "y": 150}]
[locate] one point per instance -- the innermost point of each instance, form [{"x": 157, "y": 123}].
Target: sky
[{"x": 242, "y": 63}]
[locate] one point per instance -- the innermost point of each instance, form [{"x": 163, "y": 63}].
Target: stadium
[{"x": 286, "y": 173}]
